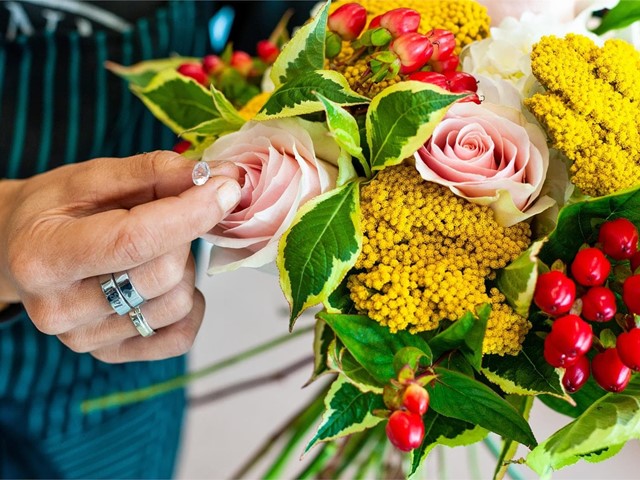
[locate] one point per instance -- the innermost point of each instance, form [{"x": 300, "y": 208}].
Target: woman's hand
[{"x": 61, "y": 231}]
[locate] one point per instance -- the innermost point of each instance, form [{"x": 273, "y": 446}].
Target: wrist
[{"x": 9, "y": 191}]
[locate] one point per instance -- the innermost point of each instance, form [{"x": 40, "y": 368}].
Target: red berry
[
  {"x": 619, "y": 238},
  {"x": 590, "y": 267},
  {"x": 416, "y": 399},
  {"x": 400, "y": 21},
  {"x": 182, "y": 146},
  {"x": 437, "y": 79},
  {"x": 628, "y": 346},
  {"x": 348, "y": 21},
  {"x": 576, "y": 375},
  {"x": 631, "y": 294},
  {"x": 444, "y": 42},
  {"x": 444, "y": 65},
  {"x": 555, "y": 357},
  {"x": 405, "y": 430},
  {"x": 609, "y": 371},
  {"x": 461, "y": 82},
  {"x": 375, "y": 22},
  {"x": 212, "y": 64},
  {"x": 599, "y": 304},
  {"x": 267, "y": 51},
  {"x": 572, "y": 335},
  {"x": 413, "y": 50},
  {"x": 195, "y": 71},
  {"x": 635, "y": 261},
  {"x": 242, "y": 62},
  {"x": 554, "y": 293}
]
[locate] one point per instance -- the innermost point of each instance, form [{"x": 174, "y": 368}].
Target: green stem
[
  {"x": 374, "y": 455},
  {"x": 319, "y": 461},
  {"x": 124, "y": 398}
]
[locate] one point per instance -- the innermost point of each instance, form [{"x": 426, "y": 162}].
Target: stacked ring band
[
  {"x": 140, "y": 323},
  {"x": 114, "y": 296},
  {"x": 128, "y": 291}
]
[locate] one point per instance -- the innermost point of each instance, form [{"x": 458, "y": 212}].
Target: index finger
[{"x": 121, "y": 239}]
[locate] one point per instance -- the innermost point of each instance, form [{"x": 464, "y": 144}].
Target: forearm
[{"x": 9, "y": 190}]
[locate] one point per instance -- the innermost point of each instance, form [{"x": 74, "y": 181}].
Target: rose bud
[
  {"x": 448, "y": 64},
  {"x": 182, "y": 146},
  {"x": 348, "y": 21},
  {"x": 400, "y": 21},
  {"x": 461, "y": 82},
  {"x": 212, "y": 64},
  {"x": 413, "y": 50},
  {"x": 375, "y": 22},
  {"x": 267, "y": 51},
  {"x": 443, "y": 43},
  {"x": 195, "y": 71},
  {"x": 242, "y": 62},
  {"x": 434, "y": 78},
  {"x": 471, "y": 97}
]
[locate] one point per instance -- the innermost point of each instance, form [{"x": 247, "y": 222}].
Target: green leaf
[
  {"x": 372, "y": 344},
  {"x": 608, "y": 423},
  {"x": 523, "y": 406},
  {"x": 140, "y": 74},
  {"x": 344, "y": 128},
  {"x": 322, "y": 340},
  {"x": 298, "y": 95},
  {"x": 319, "y": 248},
  {"x": 465, "y": 334},
  {"x": 401, "y": 119},
  {"x": 458, "y": 396},
  {"x": 441, "y": 430},
  {"x": 179, "y": 102},
  {"x": 341, "y": 361},
  {"x": 348, "y": 410},
  {"x": 579, "y": 223},
  {"x": 227, "y": 117},
  {"x": 340, "y": 300},
  {"x": 622, "y": 15},
  {"x": 413, "y": 357},
  {"x": 581, "y": 400},
  {"x": 517, "y": 281},
  {"x": 304, "y": 52},
  {"x": 527, "y": 373}
]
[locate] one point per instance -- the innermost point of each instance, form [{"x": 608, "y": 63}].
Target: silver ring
[
  {"x": 128, "y": 291},
  {"x": 140, "y": 323},
  {"x": 113, "y": 295}
]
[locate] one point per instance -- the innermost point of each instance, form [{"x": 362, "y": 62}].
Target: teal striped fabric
[{"x": 58, "y": 105}]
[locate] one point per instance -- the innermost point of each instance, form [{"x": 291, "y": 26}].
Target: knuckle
[
  {"x": 24, "y": 267},
  {"x": 182, "y": 302},
  {"x": 183, "y": 337},
  {"x": 167, "y": 272},
  {"x": 135, "y": 246},
  {"x": 75, "y": 342},
  {"x": 46, "y": 319}
]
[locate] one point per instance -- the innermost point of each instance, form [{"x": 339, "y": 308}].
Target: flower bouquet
[{"x": 463, "y": 204}]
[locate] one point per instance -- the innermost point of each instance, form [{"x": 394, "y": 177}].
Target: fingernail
[{"x": 228, "y": 195}]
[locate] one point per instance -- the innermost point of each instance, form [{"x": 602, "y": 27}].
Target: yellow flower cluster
[
  {"x": 590, "y": 109},
  {"x": 354, "y": 73},
  {"x": 254, "y": 105},
  {"x": 466, "y": 19},
  {"x": 505, "y": 329},
  {"x": 426, "y": 255}
]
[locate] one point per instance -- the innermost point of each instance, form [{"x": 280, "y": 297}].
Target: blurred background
[{"x": 246, "y": 308}]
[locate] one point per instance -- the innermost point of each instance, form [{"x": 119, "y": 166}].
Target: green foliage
[
  {"x": 527, "y": 373},
  {"x": 140, "y": 74},
  {"x": 465, "y": 335},
  {"x": 401, "y": 118},
  {"x": 348, "y": 410},
  {"x": 304, "y": 52},
  {"x": 517, "y": 281},
  {"x": 579, "y": 223},
  {"x": 580, "y": 401},
  {"x": 523, "y": 405},
  {"x": 458, "y": 396},
  {"x": 341, "y": 361},
  {"x": 320, "y": 247},
  {"x": 322, "y": 339},
  {"x": 606, "y": 425},
  {"x": 298, "y": 96},
  {"x": 372, "y": 344},
  {"x": 622, "y": 15}
]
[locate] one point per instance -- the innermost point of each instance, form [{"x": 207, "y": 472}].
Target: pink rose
[
  {"x": 283, "y": 163},
  {"x": 488, "y": 154}
]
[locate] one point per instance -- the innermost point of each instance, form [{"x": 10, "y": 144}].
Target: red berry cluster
[
  {"x": 571, "y": 337},
  {"x": 405, "y": 428},
  {"x": 394, "y": 46}
]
